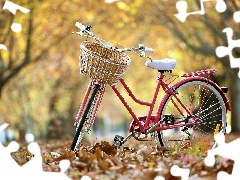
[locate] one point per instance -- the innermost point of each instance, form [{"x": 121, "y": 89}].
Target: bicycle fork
[{"x": 87, "y": 111}]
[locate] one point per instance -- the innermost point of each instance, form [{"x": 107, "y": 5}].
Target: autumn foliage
[{"x": 102, "y": 160}]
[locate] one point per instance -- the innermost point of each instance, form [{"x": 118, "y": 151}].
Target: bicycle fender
[{"x": 225, "y": 99}]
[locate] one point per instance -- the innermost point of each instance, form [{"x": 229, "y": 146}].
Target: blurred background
[{"x": 40, "y": 85}]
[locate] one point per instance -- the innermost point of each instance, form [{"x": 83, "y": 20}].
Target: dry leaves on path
[{"x": 102, "y": 160}]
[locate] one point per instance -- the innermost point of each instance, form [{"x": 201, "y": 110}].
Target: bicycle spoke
[{"x": 204, "y": 102}]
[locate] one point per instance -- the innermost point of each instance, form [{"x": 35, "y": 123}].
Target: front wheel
[
  {"x": 204, "y": 100},
  {"x": 88, "y": 116}
]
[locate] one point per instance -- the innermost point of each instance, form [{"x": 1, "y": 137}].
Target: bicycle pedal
[
  {"x": 118, "y": 140},
  {"x": 169, "y": 119}
]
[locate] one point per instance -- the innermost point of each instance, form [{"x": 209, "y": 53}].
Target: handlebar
[{"x": 87, "y": 29}]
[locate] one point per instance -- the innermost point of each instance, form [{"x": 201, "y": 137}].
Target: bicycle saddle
[{"x": 165, "y": 64}]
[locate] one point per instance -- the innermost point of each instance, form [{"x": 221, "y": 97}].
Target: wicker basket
[{"x": 102, "y": 64}]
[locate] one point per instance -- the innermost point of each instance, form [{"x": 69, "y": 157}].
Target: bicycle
[{"x": 189, "y": 111}]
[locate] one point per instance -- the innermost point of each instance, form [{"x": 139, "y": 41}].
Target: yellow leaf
[
  {"x": 103, "y": 165},
  {"x": 123, "y": 6}
]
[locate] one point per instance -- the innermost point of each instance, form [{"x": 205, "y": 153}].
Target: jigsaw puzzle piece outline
[
  {"x": 5, "y": 125},
  {"x": 222, "y": 51},
  {"x": 236, "y": 16},
  {"x": 220, "y": 6},
  {"x": 5, "y": 154},
  {"x": 9, "y": 162},
  {"x": 228, "y": 150},
  {"x": 182, "y": 172},
  {"x": 3, "y": 47},
  {"x": 182, "y": 7},
  {"x": 35, "y": 166},
  {"x": 12, "y": 7},
  {"x": 15, "y": 27}
]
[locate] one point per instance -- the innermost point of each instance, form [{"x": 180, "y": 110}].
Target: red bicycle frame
[
  {"x": 149, "y": 119},
  {"x": 148, "y": 123}
]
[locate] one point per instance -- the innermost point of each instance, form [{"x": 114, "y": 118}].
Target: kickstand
[{"x": 119, "y": 140}]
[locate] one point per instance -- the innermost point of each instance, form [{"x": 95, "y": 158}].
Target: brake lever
[
  {"x": 142, "y": 54},
  {"x": 143, "y": 51},
  {"x": 88, "y": 28},
  {"x": 150, "y": 50},
  {"x": 141, "y": 47},
  {"x": 82, "y": 28}
]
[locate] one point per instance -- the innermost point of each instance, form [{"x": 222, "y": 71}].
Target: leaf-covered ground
[{"x": 136, "y": 160}]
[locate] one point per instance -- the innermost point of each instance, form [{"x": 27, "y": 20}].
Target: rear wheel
[
  {"x": 88, "y": 116},
  {"x": 205, "y": 102}
]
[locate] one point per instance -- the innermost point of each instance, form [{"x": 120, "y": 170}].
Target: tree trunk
[
  {"x": 70, "y": 129},
  {"x": 234, "y": 97}
]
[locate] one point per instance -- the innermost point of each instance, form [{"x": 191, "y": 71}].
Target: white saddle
[{"x": 162, "y": 65}]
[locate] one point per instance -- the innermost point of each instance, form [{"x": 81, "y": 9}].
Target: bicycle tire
[
  {"x": 86, "y": 120},
  {"x": 203, "y": 98}
]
